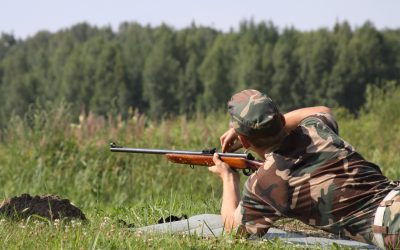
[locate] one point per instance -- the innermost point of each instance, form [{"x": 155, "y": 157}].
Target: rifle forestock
[{"x": 207, "y": 160}]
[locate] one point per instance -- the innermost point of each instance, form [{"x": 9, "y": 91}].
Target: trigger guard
[{"x": 247, "y": 171}]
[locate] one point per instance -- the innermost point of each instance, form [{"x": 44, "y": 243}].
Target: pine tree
[
  {"x": 160, "y": 76},
  {"x": 214, "y": 73},
  {"x": 286, "y": 89}
]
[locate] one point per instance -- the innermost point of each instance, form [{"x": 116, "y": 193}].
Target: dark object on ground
[
  {"x": 125, "y": 224},
  {"x": 47, "y": 206},
  {"x": 171, "y": 218}
]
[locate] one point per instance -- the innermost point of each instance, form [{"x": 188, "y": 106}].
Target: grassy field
[{"x": 51, "y": 152}]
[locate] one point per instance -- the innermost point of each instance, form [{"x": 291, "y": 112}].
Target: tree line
[{"x": 161, "y": 71}]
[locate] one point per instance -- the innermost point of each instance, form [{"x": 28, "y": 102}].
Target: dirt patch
[{"x": 47, "y": 206}]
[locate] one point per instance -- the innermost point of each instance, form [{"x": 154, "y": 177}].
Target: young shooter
[{"x": 309, "y": 173}]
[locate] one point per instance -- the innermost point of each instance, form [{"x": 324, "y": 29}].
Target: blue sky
[{"x": 24, "y": 18}]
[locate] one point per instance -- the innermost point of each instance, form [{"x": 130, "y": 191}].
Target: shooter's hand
[
  {"x": 222, "y": 169},
  {"x": 230, "y": 141}
]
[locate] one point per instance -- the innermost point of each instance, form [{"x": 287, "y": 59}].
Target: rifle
[{"x": 245, "y": 162}]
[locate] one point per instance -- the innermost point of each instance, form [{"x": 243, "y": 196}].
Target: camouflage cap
[{"x": 254, "y": 113}]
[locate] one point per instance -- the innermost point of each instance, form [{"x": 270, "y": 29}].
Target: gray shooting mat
[{"x": 210, "y": 225}]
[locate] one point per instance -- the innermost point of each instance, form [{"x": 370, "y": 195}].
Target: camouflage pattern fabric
[
  {"x": 391, "y": 220},
  {"x": 318, "y": 178},
  {"x": 253, "y": 112}
]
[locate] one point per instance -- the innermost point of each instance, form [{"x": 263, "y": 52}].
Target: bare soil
[{"x": 46, "y": 206}]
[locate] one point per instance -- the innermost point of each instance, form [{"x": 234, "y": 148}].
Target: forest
[{"x": 163, "y": 72}]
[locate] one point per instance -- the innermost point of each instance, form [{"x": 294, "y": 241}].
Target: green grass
[
  {"x": 104, "y": 232},
  {"x": 45, "y": 152}
]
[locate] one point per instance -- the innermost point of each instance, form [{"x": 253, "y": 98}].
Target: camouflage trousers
[{"x": 386, "y": 226}]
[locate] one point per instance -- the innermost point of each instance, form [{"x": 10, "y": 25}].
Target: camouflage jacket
[{"x": 318, "y": 178}]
